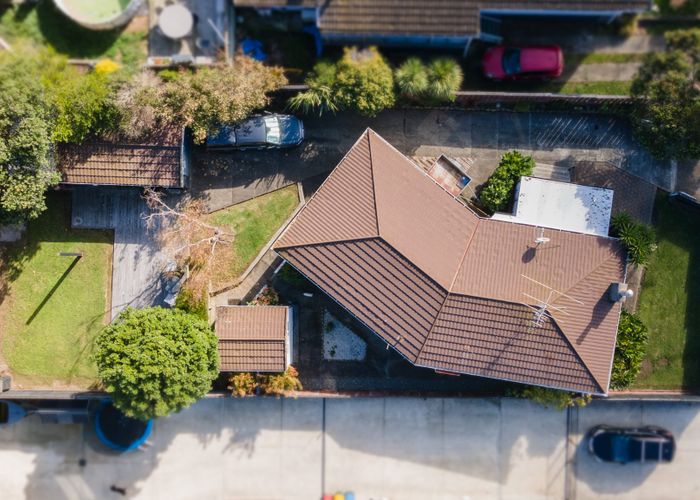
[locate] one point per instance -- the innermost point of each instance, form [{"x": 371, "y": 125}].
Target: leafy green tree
[
  {"x": 156, "y": 361},
  {"x": 25, "y": 140},
  {"x": 497, "y": 193},
  {"x": 638, "y": 239},
  {"x": 201, "y": 99},
  {"x": 630, "y": 349},
  {"x": 360, "y": 81},
  {"x": 667, "y": 87}
]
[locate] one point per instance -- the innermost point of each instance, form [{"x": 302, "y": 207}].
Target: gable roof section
[
  {"x": 151, "y": 162},
  {"x": 446, "y": 288},
  {"x": 252, "y": 338}
]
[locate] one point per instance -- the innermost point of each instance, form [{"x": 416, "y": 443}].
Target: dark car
[
  {"x": 622, "y": 445},
  {"x": 259, "y": 132},
  {"x": 539, "y": 62}
]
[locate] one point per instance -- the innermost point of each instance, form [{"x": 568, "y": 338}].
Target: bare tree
[{"x": 187, "y": 237}]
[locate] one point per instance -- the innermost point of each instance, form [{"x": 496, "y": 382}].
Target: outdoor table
[{"x": 175, "y": 21}]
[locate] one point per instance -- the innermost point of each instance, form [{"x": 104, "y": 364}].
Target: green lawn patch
[
  {"x": 253, "y": 222},
  {"x": 601, "y": 57},
  {"x": 54, "y": 305},
  {"x": 43, "y": 24},
  {"x": 668, "y": 303},
  {"x": 599, "y": 88}
]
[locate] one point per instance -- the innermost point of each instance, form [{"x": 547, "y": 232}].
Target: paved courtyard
[
  {"x": 562, "y": 139},
  {"x": 392, "y": 448}
]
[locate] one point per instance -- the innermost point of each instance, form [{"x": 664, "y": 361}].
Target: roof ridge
[
  {"x": 585, "y": 364},
  {"x": 371, "y": 174},
  {"x": 330, "y": 242}
]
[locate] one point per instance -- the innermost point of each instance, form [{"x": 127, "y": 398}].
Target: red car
[{"x": 523, "y": 63}]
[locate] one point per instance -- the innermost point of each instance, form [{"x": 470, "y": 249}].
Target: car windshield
[
  {"x": 511, "y": 61},
  {"x": 272, "y": 126}
]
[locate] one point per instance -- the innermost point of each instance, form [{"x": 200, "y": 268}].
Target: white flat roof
[{"x": 561, "y": 205}]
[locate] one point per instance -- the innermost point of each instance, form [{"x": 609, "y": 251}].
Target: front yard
[
  {"x": 253, "y": 223},
  {"x": 669, "y": 300},
  {"x": 55, "y": 304}
]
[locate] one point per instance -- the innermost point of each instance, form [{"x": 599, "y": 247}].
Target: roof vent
[{"x": 620, "y": 292}]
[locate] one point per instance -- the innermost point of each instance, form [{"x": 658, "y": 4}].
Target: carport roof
[
  {"x": 450, "y": 290},
  {"x": 153, "y": 161}
]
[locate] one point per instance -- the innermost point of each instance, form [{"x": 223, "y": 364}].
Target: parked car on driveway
[
  {"x": 259, "y": 132},
  {"x": 540, "y": 62},
  {"x": 623, "y": 445}
]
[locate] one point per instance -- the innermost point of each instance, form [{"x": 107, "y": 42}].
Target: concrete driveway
[
  {"x": 226, "y": 178},
  {"x": 393, "y": 448}
]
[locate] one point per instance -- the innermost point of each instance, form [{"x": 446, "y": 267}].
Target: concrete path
[
  {"x": 137, "y": 263},
  {"x": 393, "y": 448},
  {"x": 604, "y": 72}
]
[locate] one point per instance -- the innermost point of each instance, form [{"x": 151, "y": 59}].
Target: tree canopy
[
  {"x": 667, "y": 115},
  {"x": 201, "y": 99},
  {"x": 497, "y": 193},
  {"x": 25, "y": 140},
  {"x": 156, "y": 361}
]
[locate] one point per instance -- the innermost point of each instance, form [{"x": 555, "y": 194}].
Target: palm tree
[
  {"x": 412, "y": 78},
  {"x": 444, "y": 79}
]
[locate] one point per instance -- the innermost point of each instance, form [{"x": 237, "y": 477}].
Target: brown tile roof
[
  {"x": 448, "y": 289},
  {"x": 453, "y": 18},
  {"x": 151, "y": 162},
  {"x": 252, "y": 338},
  {"x": 633, "y": 195}
]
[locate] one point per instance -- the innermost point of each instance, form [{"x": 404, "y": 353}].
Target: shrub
[
  {"x": 193, "y": 302},
  {"x": 156, "y": 361},
  {"x": 637, "y": 238},
  {"x": 360, "y": 81},
  {"x": 267, "y": 297},
  {"x": 245, "y": 384},
  {"x": 242, "y": 384},
  {"x": 444, "y": 79},
  {"x": 283, "y": 382},
  {"x": 552, "y": 398},
  {"x": 497, "y": 193},
  {"x": 412, "y": 79},
  {"x": 106, "y": 66},
  {"x": 629, "y": 351}
]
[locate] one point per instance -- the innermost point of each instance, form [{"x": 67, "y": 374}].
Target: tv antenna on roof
[
  {"x": 544, "y": 305},
  {"x": 541, "y": 239}
]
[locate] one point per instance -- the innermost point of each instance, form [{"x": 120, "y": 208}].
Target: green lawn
[
  {"x": 601, "y": 57},
  {"x": 601, "y": 88},
  {"x": 55, "y": 305},
  {"x": 253, "y": 222},
  {"x": 43, "y": 24},
  {"x": 670, "y": 299}
]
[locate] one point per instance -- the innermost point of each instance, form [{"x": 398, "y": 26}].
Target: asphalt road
[{"x": 390, "y": 448}]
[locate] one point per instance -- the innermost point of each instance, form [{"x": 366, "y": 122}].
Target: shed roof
[
  {"x": 453, "y": 291},
  {"x": 252, "y": 338},
  {"x": 153, "y": 161}
]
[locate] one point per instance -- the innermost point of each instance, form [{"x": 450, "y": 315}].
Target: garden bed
[
  {"x": 253, "y": 223},
  {"x": 669, "y": 298},
  {"x": 54, "y": 305}
]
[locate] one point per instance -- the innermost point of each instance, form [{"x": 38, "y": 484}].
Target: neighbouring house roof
[
  {"x": 450, "y": 290},
  {"x": 154, "y": 161},
  {"x": 561, "y": 205},
  {"x": 449, "y": 18},
  {"x": 252, "y": 338},
  {"x": 633, "y": 195}
]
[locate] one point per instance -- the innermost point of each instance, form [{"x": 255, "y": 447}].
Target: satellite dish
[{"x": 541, "y": 239}]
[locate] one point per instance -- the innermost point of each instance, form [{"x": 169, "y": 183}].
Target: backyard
[
  {"x": 253, "y": 223},
  {"x": 669, "y": 300},
  {"x": 54, "y": 305}
]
